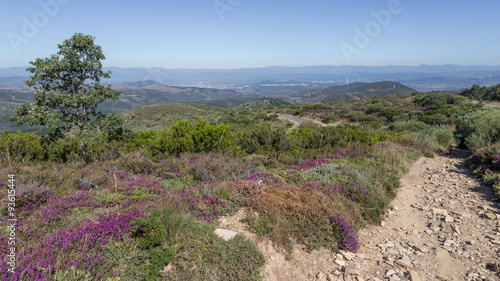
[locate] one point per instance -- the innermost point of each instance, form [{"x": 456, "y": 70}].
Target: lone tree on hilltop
[{"x": 68, "y": 90}]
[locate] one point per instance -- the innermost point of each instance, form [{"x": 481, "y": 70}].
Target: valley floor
[{"x": 443, "y": 225}]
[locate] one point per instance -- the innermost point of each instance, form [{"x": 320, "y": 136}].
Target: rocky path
[{"x": 443, "y": 225}]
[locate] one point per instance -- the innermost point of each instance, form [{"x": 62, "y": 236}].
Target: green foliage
[
  {"x": 409, "y": 126},
  {"x": 337, "y": 174},
  {"x": 391, "y": 113},
  {"x": 438, "y": 100},
  {"x": 112, "y": 127},
  {"x": 356, "y": 116},
  {"x": 238, "y": 259},
  {"x": 309, "y": 125},
  {"x": 432, "y": 119},
  {"x": 264, "y": 137},
  {"x": 483, "y": 93},
  {"x": 479, "y": 129},
  {"x": 128, "y": 258},
  {"x": 74, "y": 274},
  {"x": 161, "y": 237},
  {"x": 19, "y": 147},
  {"x": 183, "y": 137},
  {"x": 330, "y": 118},
  {"x": 68, "y": 90}
]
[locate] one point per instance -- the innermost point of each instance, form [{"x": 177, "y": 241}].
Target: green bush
[
  {"x": 160, "y": 236},
  {"x": 478, "y": 129},
  {"x": 183, "y": 137},
  {"x": 338, "y": 174},
  {"x": 409, "y": 126},
  {"x": 483, "y": 93},
  {"x": 432, "y": 119},
  {"x": 391, "y": 113},
  {"x": 434, "y": 100},
  {"x": 356, "y": 116},
  {"x": 330, "y": 118},
  {"x": 486, "y": 158},
  {"x": 309, "y": 125},
  {"x": 20, "y": 147},
  {"x": 439, "y": 140}
]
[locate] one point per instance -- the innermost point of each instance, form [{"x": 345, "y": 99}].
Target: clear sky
[{"x": 256, "y": 33}]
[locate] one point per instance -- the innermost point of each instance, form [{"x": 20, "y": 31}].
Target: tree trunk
[{"x": 82, "y": 150}]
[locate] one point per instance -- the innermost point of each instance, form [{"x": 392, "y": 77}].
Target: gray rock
[
  {"x": 392, "y": 251},
  {"x": 491, "y": 216},
  {"x": 225, "y": 233},
  {"x": 321, "y": 276},
  {"x": 404, "y": 261},
  {"x": 414, "y": 276},
  {"x": 440, "y": 212},
  {"x": 390, "y": 273},
  {"x": 435, "y": 225},
  {"x": 492, "y": 237},
  {"x": 351, "y": 270}
]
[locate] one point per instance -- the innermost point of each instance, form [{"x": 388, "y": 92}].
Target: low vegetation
[
  {"x": 145, "y": 203},
  {"x": 479, "y": 131}
]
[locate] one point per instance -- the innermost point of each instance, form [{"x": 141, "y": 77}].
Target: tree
[
  {"x": 475, "y": 92},
  {"x": 67, "y": 90}
]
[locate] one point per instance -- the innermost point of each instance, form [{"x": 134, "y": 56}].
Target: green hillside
[
  {"x": 355, "y": 90},
  {"x": 154, "y": 117},
  {"x": 246, "y": 102}
]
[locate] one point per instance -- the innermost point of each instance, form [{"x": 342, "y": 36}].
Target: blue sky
[{"x": 244, "y": 33}]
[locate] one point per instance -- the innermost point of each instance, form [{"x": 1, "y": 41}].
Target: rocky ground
[{"x": 443, "y": 225}]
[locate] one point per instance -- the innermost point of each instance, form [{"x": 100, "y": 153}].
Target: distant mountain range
[{"x": 251, "y": 80}]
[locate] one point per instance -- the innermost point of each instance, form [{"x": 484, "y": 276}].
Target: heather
[{"x": 144, "y": 204}]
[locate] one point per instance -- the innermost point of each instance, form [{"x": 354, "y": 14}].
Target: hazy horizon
[{"x": 293, "y": 66}]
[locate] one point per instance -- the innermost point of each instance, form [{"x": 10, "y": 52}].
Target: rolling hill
[
  {"x": 133, "y": 97},
  {"x": 359, "y": 90},
  {"x": 246, "y": 101},
  {"x": 155, "y": 117},
  {"x": 136, "y": 96}
]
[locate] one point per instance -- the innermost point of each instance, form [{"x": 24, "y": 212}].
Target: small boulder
[{"x": 225, "y": 233}]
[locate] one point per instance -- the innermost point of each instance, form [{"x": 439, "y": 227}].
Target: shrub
[
  {"x": 486, "y": 158},
  {"x": 20, "y": 147},
  {"x": 64, "y": 150},
  {"x": 479, "y": 129},
  {"x": 136, "y": 162},
  {"x": 330, "y": 118},
  {"x": 183, "y": 137},
  {"x": 220, "y": 167},
  {"x": 432, "y": 119},
  {"x": 391, "y": 113},
  {"x": 309, "y": 125},
  {"x": 337, "y": 174},
  {"x": 356, "y": 116},
  {"x": 409, "y": 126},
  {"x": 159, "y": 235}
]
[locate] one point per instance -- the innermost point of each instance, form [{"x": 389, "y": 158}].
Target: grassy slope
[
  {"x": 156, "y": 117},
  {"x": 296, "y": 202},
  {"x": 354, "y": 90}
]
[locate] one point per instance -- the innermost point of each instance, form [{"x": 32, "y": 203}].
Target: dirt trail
[
  {"x": 299, "y": 120},
  {"x": 443, "y": 225}
]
